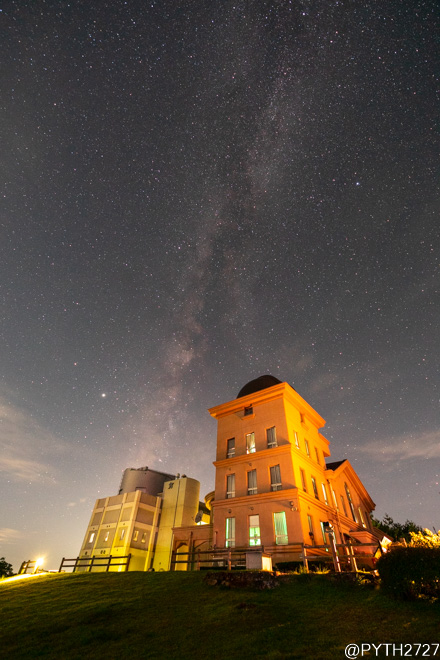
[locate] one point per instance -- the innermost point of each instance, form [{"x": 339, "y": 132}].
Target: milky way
[{"x": 196, "y": 194}]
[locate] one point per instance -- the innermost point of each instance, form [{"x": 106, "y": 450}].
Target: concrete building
[{"x": 139, "y": 520}]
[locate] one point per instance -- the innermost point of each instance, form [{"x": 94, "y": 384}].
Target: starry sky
[{"x": 196, "y": 194}]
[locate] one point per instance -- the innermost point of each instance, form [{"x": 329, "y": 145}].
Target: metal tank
[{"x": 144, "y": 479}]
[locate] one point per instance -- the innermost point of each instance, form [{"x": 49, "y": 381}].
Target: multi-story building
[
  {"x": 273, "y": 487},
  {"x": 139, "y": 521},
  {"x": 274, "y": 491}
]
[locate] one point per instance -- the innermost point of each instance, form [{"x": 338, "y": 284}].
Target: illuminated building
[
  {"x": 139, "y": 520},
  {"x": 273, "y": 487},
  {"x": 274, "y": 491}
]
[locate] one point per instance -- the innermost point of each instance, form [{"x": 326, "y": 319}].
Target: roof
[
  {"x": 334, "y": 465},
  {"x": 260, "y": 383}
]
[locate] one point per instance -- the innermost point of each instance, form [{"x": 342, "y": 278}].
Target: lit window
[
  {"x": 317, "y": 457},
  {"x": 135, "y": 535},
  {"x": 324, "y": 492},
  {"x": 343, "y": 505},
  {"x": 271, "y": 436},
  {"x": 315, "y": 489},
  {"x": 230, "y": 486},
  {"x": 303, "y": 480},
  {"x": 254, "y": 530},
  {"x": 335, "y": 501},
  {"x": 361, "y": 516},
  {"x": 92, "y": 537},
  {"x": 230, "y": 532},
  {"x": 250, "y": 443},
  {"x": 295, "y": 435},
  {"x": 324, "y": 536},
  {"x": 248, "y": 411},
  {"x": 280, "y": 525},
  {"x": 306, "y": 442},
  {"x": 350, "y": 503},
  {"x": 144, "y": 537},
  {"x": 107, "y": 534},
  {"x": 252, "y": 482},
  {"x": 275, "y": 478},
  {"x": 231, "y": 448},
  {"x": 311, "y": 532},
  {"x": 122, "y": 534}
]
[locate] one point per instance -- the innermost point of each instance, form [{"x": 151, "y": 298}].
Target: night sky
[{"x": 196, "y": 193}]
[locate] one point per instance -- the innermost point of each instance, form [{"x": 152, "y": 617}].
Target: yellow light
[
  {"x": 21, "y": 577},
  {"x": 38, "y": 563}
]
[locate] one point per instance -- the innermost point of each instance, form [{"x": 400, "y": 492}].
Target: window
[
  {"x": 317, "y": 457},
  {"x": 343, "y": 505},
  {"x": 92, "y": 537},
  {"x": 295, "y": 435},
  {"x": 303, "y": 480},
  {"x": 250, "y": 443},
  {"x": 230, "y": 532},
  {"x": 231, "y": 448},
  {"x": 350, "y": 503},
  {"x": 122, "y": 534},
  {"x": 324, "y": 492},
  {"x": 230, "y": 486},
  {"x": 144, "y": 537},
  {"x": 315, "y": 489},
  {"x": 254, "y": 530},
  {"x": 279, "y": 520},
  {"x": 306, "y": 442},
  {"x": 275, "y": 478},
  {"x": 252, "y": 482},
  {"x": 324, "y": 535},
  {"x": 135, "y": 535},
  {"x": 335, "y": 501},
  {"x": 248, "y": 411},
  {"x": 311, "y": 532},
  {"x": 107, "y": 534},
  {"x": 361, "y": 517},
  {"x": 271, "y": 436}
]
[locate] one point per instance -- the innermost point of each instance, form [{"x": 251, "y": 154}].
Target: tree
[
  {"x": 395, "y": 530},
  {"x": 425, "y": 539},
  {"x": 6, "y": 569}
]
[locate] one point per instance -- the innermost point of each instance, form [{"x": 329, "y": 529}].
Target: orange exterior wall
[{"x": 281, "y": 406}]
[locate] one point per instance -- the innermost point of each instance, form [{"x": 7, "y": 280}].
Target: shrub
[
  {"x": 425, "y": 539},
  {"x": 410, "y": 572}
]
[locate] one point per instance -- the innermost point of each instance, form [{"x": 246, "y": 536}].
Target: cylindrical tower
[{"x": 149, "y": 481}]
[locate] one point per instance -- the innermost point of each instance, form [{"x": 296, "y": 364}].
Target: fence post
[
  {"x": 109, "y": 561},
  {"x": 91, "y": 564},
  {"x": 61, "y": 565},
  {"x": 128, "y": 562},
  {"x": 352, "y": 558},
  {"x": 305, "y": 560}
]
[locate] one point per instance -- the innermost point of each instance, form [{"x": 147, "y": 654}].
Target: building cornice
[{"x": 281, "y": 391}]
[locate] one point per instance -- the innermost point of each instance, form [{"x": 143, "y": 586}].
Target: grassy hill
[{"x": 179, "y": 616}]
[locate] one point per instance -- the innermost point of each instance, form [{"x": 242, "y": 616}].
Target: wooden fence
[
  {"x": 342, "y": 557},
  {"x": 87, "y": 564}
]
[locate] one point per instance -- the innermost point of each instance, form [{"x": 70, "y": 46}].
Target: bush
[{"x": 410, "y": 572}]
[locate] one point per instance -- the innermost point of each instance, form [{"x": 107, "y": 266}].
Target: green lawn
[{"x": 178, "y": 616}]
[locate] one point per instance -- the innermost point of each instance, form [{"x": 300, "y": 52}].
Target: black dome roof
[{"x": 260, "y": 383}]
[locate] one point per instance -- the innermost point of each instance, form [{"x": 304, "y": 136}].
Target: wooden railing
[
  {"x": 343, "y": 557},
  {"x": 89, "y": 563}
]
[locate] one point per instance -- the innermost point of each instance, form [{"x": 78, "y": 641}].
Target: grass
[{"x": 178, "y": 616}]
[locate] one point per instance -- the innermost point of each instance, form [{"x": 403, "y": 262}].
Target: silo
[{"x": 145, "y": 479}]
